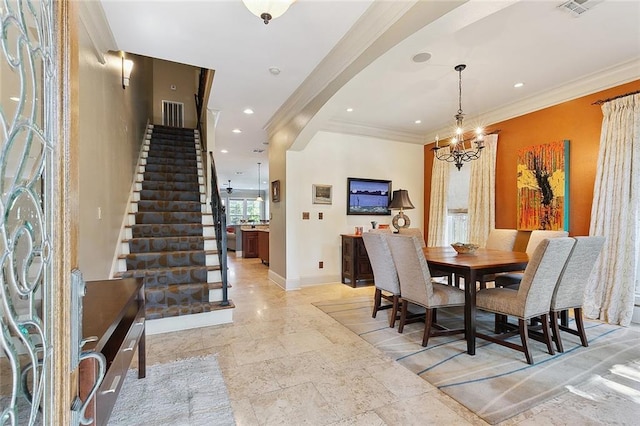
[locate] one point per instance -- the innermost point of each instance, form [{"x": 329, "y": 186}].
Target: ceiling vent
[
  {"x": 578, "y": 7},
  {"x": 258, "y": 151}
]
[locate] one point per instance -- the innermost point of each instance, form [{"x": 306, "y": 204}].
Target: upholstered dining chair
[
  {"x": 569, "y": 291},
  {"x": 533, "y": 298},
  {"x": 418, "y": 233},
  {"x": 499, "y": 239},
  {"x": 385, "y": 276},
  {"x": 513, "y": 278},
  {"x": 417, "y": 287}
]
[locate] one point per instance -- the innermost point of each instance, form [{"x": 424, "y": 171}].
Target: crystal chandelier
[{"x": 459, "y": 150}]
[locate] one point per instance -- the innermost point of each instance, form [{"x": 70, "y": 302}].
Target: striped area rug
[{"x": 497, "y": 383}]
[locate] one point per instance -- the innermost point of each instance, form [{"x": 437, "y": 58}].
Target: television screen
[{"x": 368, "y": 196}]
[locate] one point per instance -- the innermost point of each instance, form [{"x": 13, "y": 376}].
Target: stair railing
[{"x": 220, "y": 225}]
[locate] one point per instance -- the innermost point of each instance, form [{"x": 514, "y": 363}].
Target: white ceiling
[{"x": 556, "y": 55}]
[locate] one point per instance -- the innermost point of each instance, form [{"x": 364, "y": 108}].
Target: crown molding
[
  {"x": 94, "y": 21},
  {"x": 351, "y": 128},
  {"x": 586, "y": 85}
]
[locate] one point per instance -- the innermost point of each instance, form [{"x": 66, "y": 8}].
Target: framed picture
[
  {"x": 543, "y": 187},
  {"x": 368, "y": 196},
  {"x": 275, "y": 191},
  {"x": 321, "y": 194}
]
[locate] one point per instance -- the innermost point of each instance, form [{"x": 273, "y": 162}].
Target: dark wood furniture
[
  {"x": 263, "y": 246},
  {"x": 472, "y": 266},
  {"x": 356, "y": 267},
  {"x": 250, "y": 243},
  {"x": 113, "y": 312}
]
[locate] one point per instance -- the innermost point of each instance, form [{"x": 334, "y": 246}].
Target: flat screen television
[{"x": 368, "y": 196}]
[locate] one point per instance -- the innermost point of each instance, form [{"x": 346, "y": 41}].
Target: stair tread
[
  {"x": 208, "y": 238},
  {"x": 152, "y": 271},
  {"x": 207, "y": 252},
  {"x": 209, "y": 285}
]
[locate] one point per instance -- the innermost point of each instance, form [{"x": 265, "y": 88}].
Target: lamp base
[{"x": 400, "y": 221}]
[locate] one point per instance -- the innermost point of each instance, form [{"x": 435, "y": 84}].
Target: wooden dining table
[{"x": 472, "y": 266}]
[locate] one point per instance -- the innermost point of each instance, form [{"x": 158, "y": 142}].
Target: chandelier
[
  {"x": 268, "y": 9},
  {"x": 459, "y": 150}
]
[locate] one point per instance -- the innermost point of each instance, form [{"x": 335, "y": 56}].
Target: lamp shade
[
  {"x": 272, "y": 8},
  {"x": 400, "y": 200}
]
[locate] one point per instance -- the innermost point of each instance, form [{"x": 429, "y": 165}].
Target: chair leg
[
  {"x": 403, "y": 315},
  {"x": 545, "y": 333},
  {"x": 428, "y": 319},
  {"x": 377, "y": 301},
  {"x": 394, "y": 310},
  {"x": 580, "y": 324},
  {"x": 555, "y": 330},
  {"x": 524, "y": 336},
  {"x": 499, "y": 323},
  {"x": 450, "y": 279}
]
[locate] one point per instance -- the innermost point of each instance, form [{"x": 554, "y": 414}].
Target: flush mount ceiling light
[
  {"x": 517, "y": 85},
  {"x": 459, "y": 150},
  {"x": 421, "y": 57},
  {"x": 268, "y": 9},
  {"x": 248, "y": 111},
  {"x": 237, "y": 131},
  {"x": 274, "y": 70},
  {"x": 349, "y": 109}
]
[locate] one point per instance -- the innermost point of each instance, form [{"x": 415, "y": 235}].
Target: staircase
[{"x": 170, "y": 240}]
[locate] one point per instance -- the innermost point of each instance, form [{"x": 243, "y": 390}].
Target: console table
[
  {"x": 113, "y": 312},
  {"x": 356, "y": 267}
]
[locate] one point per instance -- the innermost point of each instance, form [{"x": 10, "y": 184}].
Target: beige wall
[
  {"x": 330, "y": 158},
  {"x": 111, "y": 125},
  {"x": 169, "y": 75}
]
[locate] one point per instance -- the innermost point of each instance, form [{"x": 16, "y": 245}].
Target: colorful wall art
[{"x": 543, "y": 187}]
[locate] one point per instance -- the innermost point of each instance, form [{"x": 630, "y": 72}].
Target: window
[
  {"x": 240, "y": 210},
  {"x": 458, "y": 204}
]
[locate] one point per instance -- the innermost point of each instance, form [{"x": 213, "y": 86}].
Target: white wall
[{"x": 330, "y": 158}]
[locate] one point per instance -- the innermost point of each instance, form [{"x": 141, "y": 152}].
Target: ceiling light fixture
[
  {"x": 460, "y": 150},
  {"x": 237, "y": 131},
  {"x": 418, "y": 121},
  {"x": 248, "y": 111},
  {"x": 224, "y": 151},
  {"x": 259, "y": 198},
  {"x": 517, "y": 85},
  {"x": 349, "y": 109},
  {"x": 274, "y": 70},
  {"x": 229, "y": 188},
  {"x": 268, "y": 9}
]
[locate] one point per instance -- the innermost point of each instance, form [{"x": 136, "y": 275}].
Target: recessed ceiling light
[
  {"x": 274, "y": 70},
  {"x": 418, "y": 121},
  {"x": 248, "y": 111},
  {"x": 421, "y": 57},
  {"x": 237, "y": 131},
  {"x": 518, "y": 85},
  {"x": 239, "y": 173},
  {"x": 224, "y": 151},
  {"x": 349, "y": 109}
]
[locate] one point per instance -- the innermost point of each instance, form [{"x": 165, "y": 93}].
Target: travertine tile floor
[{"x": 286, "y": 362}]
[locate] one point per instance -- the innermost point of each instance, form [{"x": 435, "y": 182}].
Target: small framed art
[
  {"x": 275, "y": 191},
  {"x": 321, "y": 194}
]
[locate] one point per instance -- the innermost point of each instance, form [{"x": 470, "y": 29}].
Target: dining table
[{"x": 472, "y": 266}]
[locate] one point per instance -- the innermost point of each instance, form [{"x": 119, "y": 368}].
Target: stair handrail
[{"x": 218, "y": 211}]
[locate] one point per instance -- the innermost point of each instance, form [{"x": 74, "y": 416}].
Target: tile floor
[{"x": 286, "y": 362}]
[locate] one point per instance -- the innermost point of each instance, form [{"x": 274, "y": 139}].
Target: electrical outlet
[
  {"x": 320, "y": 264},
  {"x": 305, "y": 215},
  {"x": 320, "y": 216}
]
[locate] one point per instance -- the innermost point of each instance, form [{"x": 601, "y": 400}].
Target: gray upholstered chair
[
  {"x": 418, "y": 233},
  {"x": 533, "y": 298},
  {"x": 513, "y": 278},
  {"x": 499, "y": 239},
  {"x": 385, "y": 277},
  {"x": 417, "y": 287}
]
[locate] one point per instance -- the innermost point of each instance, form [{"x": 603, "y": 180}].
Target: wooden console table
[
  {"x": 113, "y": 311},
  {"x": 356, "y": 267}
]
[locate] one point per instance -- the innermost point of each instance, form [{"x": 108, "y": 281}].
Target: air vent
[
  {"x": 173, "y": 114},
  {"x": 578, "y": 7},
  {"x": 258, "y": 151}
]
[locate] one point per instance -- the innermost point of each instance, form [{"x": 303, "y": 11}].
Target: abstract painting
[{"x": 543, "y": 187}]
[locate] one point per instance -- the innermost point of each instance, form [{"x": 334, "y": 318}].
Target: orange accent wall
[{"x": 577, "y": 121}]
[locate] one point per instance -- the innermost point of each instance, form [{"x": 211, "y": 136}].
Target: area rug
[
  {"x": 185, "y": 392},
  {"x": 496, "y": 383}
]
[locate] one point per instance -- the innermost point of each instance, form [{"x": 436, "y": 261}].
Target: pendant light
[{"x": 259, "y": 198}]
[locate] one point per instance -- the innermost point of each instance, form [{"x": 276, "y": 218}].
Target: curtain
[
  {"x": 438, "y": 207},
  {"x": 615, "y": 213},
  {"x": 482, "y": 192}
]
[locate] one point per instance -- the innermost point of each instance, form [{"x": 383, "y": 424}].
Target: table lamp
[{"x": 400, "y": 200}]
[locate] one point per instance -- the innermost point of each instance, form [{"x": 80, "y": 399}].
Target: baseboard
[
  {"x": 319, "y": 280},
  {"x": 187, "y": 322}
]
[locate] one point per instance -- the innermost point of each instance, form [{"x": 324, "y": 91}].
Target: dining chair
[
  {"x": 434, "y": 272},
  {"x": 536, "y": 236},
  {"x": 418, "y": 288},
  {"x": 499, "y": 239},
  {"x": 533, "y": 297},
  {"x": 385, "y": 276}
]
